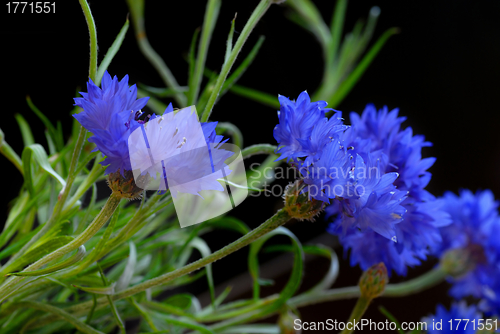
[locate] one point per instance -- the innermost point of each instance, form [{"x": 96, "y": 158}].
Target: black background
[{"x": 442, "y": 72}]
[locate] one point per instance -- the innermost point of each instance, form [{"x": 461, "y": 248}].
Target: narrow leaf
[
  {"x": 38, "y": 153},
  {"x": 81, "y": 326},
  {"x": 114, "y": 310},
  {"x": 256, "y": 95},
  {"x": 101, "y": 290},
  {"x": 346, "y": 86},
  {"x": 64, "y": 264},
  {"x": 128, "y": 272},
  {"x": 234, "y": 77},
  {"x": 25, "y": 130},
  {"x": 111, "y": 52},
  {"x": 229, "y": 43},
  {"x": 50, "y": 127},
  {"x": 37, "y": 253}
]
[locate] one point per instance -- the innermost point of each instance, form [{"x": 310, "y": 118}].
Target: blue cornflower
[
  {"x": 378, "y": 134},
  {"x": 189, "y": 148},
  {"x": 110, "y": 114},
  {"x": 439, "y": 323},
  {"x": 363, "y": 197},
  {"x": 101, "y": 104},
  {"x": 303, "y": 130},
  {"x": 475, "y": 227},
  {"x": 362, "y": 192}
]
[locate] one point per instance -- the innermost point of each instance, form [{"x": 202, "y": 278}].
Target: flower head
[
  {"x": 378, "y": 134},
  {"x": 457, "y": 311},
  {"x": 110, "y": 114},
  {"x": 475, "y": 229},
  {"x": 303, "y": 130},
  {"x": 174, "y": 149}
]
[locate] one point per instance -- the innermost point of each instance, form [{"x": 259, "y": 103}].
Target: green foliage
[{"x": 55, "y": 285}]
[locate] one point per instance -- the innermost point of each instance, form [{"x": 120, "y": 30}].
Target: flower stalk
[
  {"x": 259, "y": 11},
  {"x": 107, "y": 211}
]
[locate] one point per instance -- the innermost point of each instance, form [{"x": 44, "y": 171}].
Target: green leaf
[
  {"x": 211, "y": 14},
  {"x": 191, "y": 56},
  {"x": 81, "y": 326},
  {"x": 62, "y": 265},
  {"x": 143, "y": 312},
  {"x": 52, "y": 130},
  {"x": 236, "y": 75},
  {"x": 25, "y": 130},
  {"x": 220, "y": 299},
  {"x": 17, "y": 217},
  {"x": 254, "y": 329},
  {"x": 182, "y": 301},
  {"x": 296, "y": 276},
  {"x": 101, "y": 290},
  {"x": 310, "y": 18},
  {"x": 181, "y": 322},
  {"x": 9, "y": 153},
  {"x": 346, "y": 86},
  {"x": 166, "y": 308},
  {"x": 232, "y": 130},
  {"x": 336, "y": 28},
  {"x": 256, "y": 95},
  {"x": 37, "y": 253},
  {"x": 229, "y": 43},
  {"x": 114, "y": 310},
  {"x": 128, "y": 272},
  {"x": 205, "y": 251},
  {"x": 50, "y": 143},
  {"x": 162, "y": 91},
  {"x": 111, "y": 52},
  {"x": 318, "y": 250},
  {"x": 14, "y": 247},
  {"x": 38, "y": 153},
  {"x": 265, "y": 282},
  {"x": 392, "y": 318},
  {"x": 83, "y": 222}
]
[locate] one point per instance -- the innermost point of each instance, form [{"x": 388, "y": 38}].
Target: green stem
[
  {"x": 357, "y": 313},
  {"x": 78, "y": 146},
  {"x": 211, "y": 14},
  {"x": 233, "y": 131},
  {"x": 107, "y": 211},
  {"x": 255, "y": 95},
  {"x": 259, "y": 11},
  {"x": 249, "y": 151},
  {"x": 137, "y": 13},
  {"x": 280, "y": 218},
  {"x": 416, "y": 285},
  {"x": 10, "y": 154},
  {"x": 93, "y": 39},
  {"x": 81, "y": 326}
]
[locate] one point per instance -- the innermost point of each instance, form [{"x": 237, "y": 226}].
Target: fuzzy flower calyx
[{"x": 373, "y": 281}]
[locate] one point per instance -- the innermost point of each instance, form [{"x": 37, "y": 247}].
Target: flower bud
[
  {"x": 285, "y": 322},
  {"x": 124, "y": 185},
  {"x": 373, "y": 281},
  {"x": 457, "y": 262},
  {"x": 298, "y": 205}
]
